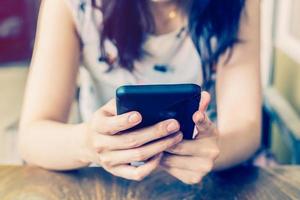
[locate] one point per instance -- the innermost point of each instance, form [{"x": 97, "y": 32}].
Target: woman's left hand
[{"x": 191, "y": 160}]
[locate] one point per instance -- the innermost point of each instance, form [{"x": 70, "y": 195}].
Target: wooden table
[{"x": 28, "y": 183}]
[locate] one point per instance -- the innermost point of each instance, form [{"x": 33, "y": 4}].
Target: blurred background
[{"x": 280, "y": 67}]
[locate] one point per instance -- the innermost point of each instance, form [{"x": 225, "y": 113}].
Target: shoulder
[
  {"x": 86, "y": 14},
  {"x": 82, "y": 5},
  {"x": 250, "y": 21}
]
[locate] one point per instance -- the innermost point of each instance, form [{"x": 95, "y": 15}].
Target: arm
[
  {"x": 50, "y": 90},
  {"x": 239, "y": 94},
  {"x": 237, "y": 135}
]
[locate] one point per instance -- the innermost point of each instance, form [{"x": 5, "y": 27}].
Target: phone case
[{"x": 161, "y": 102}]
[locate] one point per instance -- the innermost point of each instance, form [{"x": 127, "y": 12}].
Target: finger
[
  {"x": 205, "y": 127},
  {"x": 187, "y": 177},
  {"x": 206, "y": 147},
  {"x": 205, "y": 100},
  {"x": 139, "y": 137},
  {"x": 137, "y": 173},
  {"x": 113, "y": 158},
  {"x": 110, "y": 125},
  {"x": 196, "y": 164},
  {"x": 110, "y": 108}
]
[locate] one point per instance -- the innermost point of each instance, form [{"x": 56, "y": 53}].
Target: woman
[{"x": 208, "y": 42}]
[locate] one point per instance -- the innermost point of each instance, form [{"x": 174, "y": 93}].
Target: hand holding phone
[{"x": 107, "y": 145}]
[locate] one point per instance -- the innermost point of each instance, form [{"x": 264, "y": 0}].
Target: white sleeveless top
[{"x": 175, "y": 50}]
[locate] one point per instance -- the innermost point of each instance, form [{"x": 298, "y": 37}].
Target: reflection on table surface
[{"x": 17, "y": 182}]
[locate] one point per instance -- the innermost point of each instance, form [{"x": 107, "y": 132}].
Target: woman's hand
[
  {"x": 108, "y": 145},
  {"x": 191, "y": 160}
]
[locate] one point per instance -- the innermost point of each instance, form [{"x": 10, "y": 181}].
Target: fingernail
[
  {"x": 133, "y": 118},
  {"x": 179, "y": 137},
  {"x": 173, "y": 126},
  {"x": 200, "y": 117}
]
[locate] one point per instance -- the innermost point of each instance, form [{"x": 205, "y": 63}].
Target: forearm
[
  {"x": 238, "y": 145},
  {"x": 53, "y": 145}
]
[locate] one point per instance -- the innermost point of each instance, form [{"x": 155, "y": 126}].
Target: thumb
[
  {"x": 205, "y": 100},
  {"x": 110, "y": 108}
]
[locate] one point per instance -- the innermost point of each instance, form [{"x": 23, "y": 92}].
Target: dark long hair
[{"x": 127, "y": 22}]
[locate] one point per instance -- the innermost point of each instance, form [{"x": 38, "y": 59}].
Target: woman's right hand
[{"x": 109, "y": 145}]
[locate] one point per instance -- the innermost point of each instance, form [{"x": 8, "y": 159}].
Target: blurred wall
[
  {"x": 287, "y": 78},
  {"x": 267, "y": 39},
  {"x": 287, "y": 81},
  {"x": 17, "y": 29},
  {"x": 286, "y": 64}
]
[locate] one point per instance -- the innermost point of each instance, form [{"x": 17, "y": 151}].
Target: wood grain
[{"x": 29, "y": 183}]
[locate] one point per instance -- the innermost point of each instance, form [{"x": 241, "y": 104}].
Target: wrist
[{"x": 81, "y": 141}]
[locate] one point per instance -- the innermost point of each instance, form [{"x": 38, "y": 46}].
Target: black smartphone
[{"x": 161, "y": 102}]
